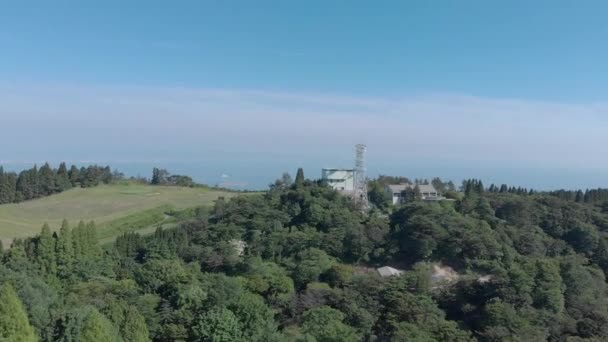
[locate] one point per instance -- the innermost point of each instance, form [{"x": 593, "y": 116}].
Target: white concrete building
[
  {"x": 428, "y": 192},
  {"x": 340, "y": 179}
]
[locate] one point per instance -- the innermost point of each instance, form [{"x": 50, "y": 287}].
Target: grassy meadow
[{"x": 114, "y": 208}]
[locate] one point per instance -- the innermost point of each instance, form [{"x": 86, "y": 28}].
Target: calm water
[{"x": 258, "y": 173}]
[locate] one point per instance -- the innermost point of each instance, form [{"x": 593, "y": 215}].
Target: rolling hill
[{"x": 107, "y": 205}]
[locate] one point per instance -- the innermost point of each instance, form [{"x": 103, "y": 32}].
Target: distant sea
[{"x": 258, "y": 174}]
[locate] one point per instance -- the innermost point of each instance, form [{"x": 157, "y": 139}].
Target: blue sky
[{"x": 486, "y": 84}]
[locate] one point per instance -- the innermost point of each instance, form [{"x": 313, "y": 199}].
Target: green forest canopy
[{"x": 531, "y": 267}]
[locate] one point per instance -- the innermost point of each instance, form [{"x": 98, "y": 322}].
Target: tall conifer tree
[
  {"x": 11, "y": 186},
  {"x": 300, "y": 177},
  {"x": 64, "y": 250},
  {"x": 62, "y": 178},
  {"x": 16, "y": 257},
  {"x": 134, "y": 328},
  {"x": 45, "y": 251},
  {"x": 74, "y": 175},
  {"x": 79, "y": 240},
  {"x": 34, "y": 182},
  {"x": 24, "y": 188},
  {"x": 3, "y": 187},
  {"x": 46, "y": 178},
  {"x": 97, "y": 328},
  {"x": 14, "y": 324},
  {"x": 90, "y": 238}
]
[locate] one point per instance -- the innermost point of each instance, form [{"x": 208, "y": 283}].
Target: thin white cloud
[{"x": 131, "y": 122}]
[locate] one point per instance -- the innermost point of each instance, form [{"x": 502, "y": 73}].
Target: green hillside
[{"x": 104, "y": 204}]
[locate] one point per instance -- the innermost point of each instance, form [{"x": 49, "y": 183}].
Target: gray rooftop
[
  {"x": 424, "y": 188},
  {"x": 388, "y": 271},
  {"x": 398, "y": 187}
]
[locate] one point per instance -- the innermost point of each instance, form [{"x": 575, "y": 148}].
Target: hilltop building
[
  {"x": 351, "y": 182},
  {"x": 427, "y": 191},
  {"x": 340, "y": 179}
]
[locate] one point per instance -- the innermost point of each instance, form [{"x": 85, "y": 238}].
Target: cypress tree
[
  {"x": 155, "y": 176},
  {"x": 82, "y": 177},
  {"x": 300, "y": 177},
  {"x": 34, "y": 182},
  {"x": 134, "y": 328},
  {"x": 16, "y": 257},
  {"x": 3, "y": 187},
  {"x": 14, "y": 324},
  {"x": 115, "y": 312},
  {"x": 7, "y": 187},
  {"x": 90, "y": 238},
  {"x": 62, "y": 179},
  {"x": 74, "y": 175},
  {"x": 46, "y": 178},
  {"x": 11, "y": 183},
  {"x": 467, "y": 187},
  {"x": 79, "y": 240},
  {"x": 64, "y": 250},
  {"x": 479, "y": 187},
  {"x": 24, "y": 188},
  {"x": 45, "y": 251},
  {"x": 97, "y": 328},
  {"x": 579, "y": 196},
  {"x": 218, "y": 324},
  {"x": 106, "y": 176},
  {"x": 11, "y": 186}
]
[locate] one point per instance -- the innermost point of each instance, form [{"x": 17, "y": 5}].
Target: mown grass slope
[{"x": 104, "y": 204}]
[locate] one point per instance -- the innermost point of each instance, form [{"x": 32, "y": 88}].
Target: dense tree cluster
[
  {"x": 510, "y": 189},
  {"x": 163, "y": 177},
  {"x": 297, "y": 263},
  {"x": 592, "y": 196},
  {"x": 44, "y": 181}
]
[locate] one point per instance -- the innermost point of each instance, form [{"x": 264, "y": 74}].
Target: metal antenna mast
[{"x": 361, "y": 177}]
